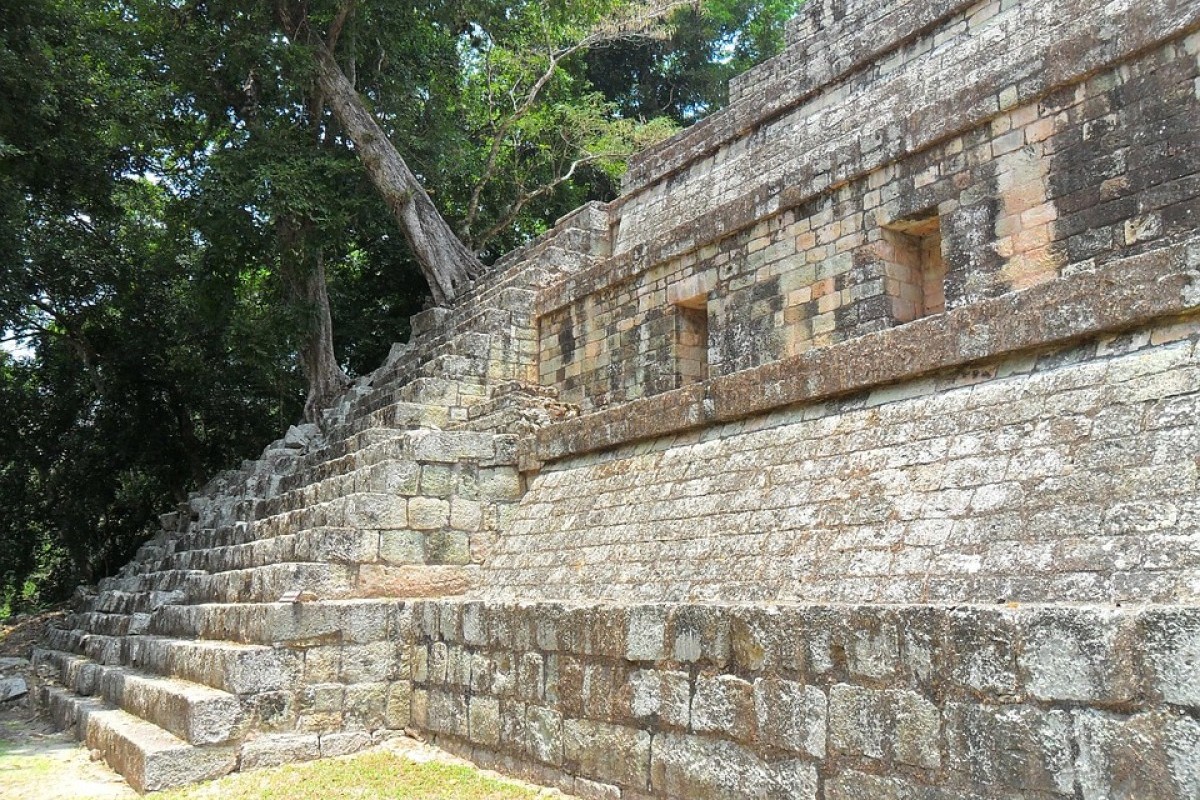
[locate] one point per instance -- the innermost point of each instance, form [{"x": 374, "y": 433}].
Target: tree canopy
[{"x": 195, "y": 247}]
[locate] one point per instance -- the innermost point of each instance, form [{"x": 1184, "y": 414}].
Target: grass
[
  {"x": 17, "y": 762},
  {"x": 377, "y": 775}
]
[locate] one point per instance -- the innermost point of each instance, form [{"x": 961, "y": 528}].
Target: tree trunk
[
  {"x": 326, "y": 378},
  {"x": 448, "y": 265},
  {"x": 305, "y": 282}
]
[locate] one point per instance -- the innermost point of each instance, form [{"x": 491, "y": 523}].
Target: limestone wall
[
  {"x": 1001, "y": 147},
  {"x": 1069, "y": 475},
  {"x": 803, "y": 702}
]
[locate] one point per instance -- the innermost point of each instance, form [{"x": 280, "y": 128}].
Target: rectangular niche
[
  {"x": 915, "y": 267},
  {"x": 691, "y": 340}
]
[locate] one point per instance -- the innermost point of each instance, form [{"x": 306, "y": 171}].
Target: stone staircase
[
  {"x": 268, "y": 621},
  {"x": 262, "y": 624}
]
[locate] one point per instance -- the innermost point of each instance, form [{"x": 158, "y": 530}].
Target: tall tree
[
  {"x": 184, "y": 217},
  {"x": 447, "y": 263}
]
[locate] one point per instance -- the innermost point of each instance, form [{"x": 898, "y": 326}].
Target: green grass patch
[
  {"x": 378, "y": 775},
  {"x": 29, "y": 768}
]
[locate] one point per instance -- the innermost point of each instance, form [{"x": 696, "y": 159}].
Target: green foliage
[{"x": 686, "y": 76}]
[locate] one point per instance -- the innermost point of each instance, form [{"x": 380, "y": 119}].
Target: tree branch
[
  {"x": 338, "y": 25},
  {"x": 526, "y": 198},
  {"x": 638, "y": 20}
]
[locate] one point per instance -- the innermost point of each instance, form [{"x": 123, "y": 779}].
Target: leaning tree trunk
[{"x": 446, "y": 262}]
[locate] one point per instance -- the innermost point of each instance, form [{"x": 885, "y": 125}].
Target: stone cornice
[{"x": 1127, "y": 293}]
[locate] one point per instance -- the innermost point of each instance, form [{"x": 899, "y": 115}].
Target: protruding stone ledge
[{"x": 1125, "y": 294}]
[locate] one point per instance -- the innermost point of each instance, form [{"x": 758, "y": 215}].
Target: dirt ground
[
  {"x": 38, "y": 764},
  {"x": 18, "y": 638}
]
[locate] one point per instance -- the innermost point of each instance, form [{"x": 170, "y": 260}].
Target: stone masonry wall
[
  {"x": 800, "y": 702},
  {"x": 1035, "y": 179},
  {"x": 853, "y": 452},
  {"x": 1066, "y": 475}
]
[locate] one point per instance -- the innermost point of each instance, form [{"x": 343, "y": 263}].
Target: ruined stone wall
[
  {"x": 890, "y": 389},
  {"x": 804, "y": 702},
  {"x": 929, "y": 173}
]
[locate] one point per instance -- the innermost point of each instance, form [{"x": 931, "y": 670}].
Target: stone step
[
  {"x": 135, "y": 601},
  {"x": 356, "y": 621},
  {"x": 233, "y": 667},
  {"x": 271, "y": 582},
  {"x": 153, "y": 581},
  {"x": 328, "y": 545},
  {"x": 66, "y": 639},
  {"x": 399, "y": 415},
  {"x": 442, "y": 543},
  {"x": 147, "y": 756},
  {"x": 195, "y": 713},
  {"x": 108, "y": 624}
]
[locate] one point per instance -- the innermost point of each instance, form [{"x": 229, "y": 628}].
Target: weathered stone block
[
  {"x": 437, "y": 480},
  {"x": 402, "y": 547},
  {"x": 918, "y": 740},
  {"x": 858, "y": 719},
  {"x": 514, "y": 726},
  {"x": 1080, "y": 655},
  {"x": 983, "y": 647},
  {"x": 366, "y": 706},
  {"x": 428, "y": 513},
  {"x": 368, "y": 663},
  {"x": 609, "y": 753},
  {"x": 873, "y": 645},
  {"x": 765, "y": 638},
  {"x": 447, "y": 547},
  {"x": 398, "y": 712},
  {"x": 380, "y": 580},
  {"x": 545, "y": 735},
  {"x": 484, "y": 720},
  {"x": 343, "y": 744},
  {"x": 376, "y": 511},
  {"x": 396, "y": 478},
  {"x": 1021, "y": 747},
  {"x": 272, "y": 711},
  {"x": 692, "y": 766},
  {"x": 594, "y": 790},
  {"x": 531, "y": 677},
  {"x": 700, "y": 634},
  {"x": 852, "y": 785},
  {"x": 791, "y": 715},
  {"x": 327, "y": 697},
  {"x": 448, "y": 713},
  {"x": 1171, "y": 653},
  {"x": 1155, "y": 754},
  {"x": 278, "y": 749},
  {"x": 661, "y": 697},
  {"x": 724, "y": 704},
  {"x": 474, "y": 625},
  {"x": 419, "y": 709},
  {"x": 646, "y": 636},
  {"x": 466, "y": 515}
]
